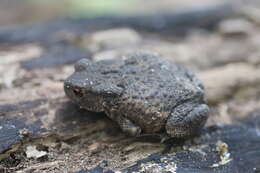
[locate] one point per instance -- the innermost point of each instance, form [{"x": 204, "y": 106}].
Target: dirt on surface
[{"x": 42, "y": 131}]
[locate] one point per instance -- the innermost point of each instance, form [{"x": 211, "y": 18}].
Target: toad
[{"x": 142, "y": 92}]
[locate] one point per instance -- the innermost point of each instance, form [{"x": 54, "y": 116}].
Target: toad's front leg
[{"x": 125, "y": 124}]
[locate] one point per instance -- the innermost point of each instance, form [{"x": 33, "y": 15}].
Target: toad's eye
[{"x": 78, "y": 92}]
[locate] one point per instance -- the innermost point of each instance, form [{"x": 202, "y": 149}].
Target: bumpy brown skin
[{"x": 141, "y": 92}]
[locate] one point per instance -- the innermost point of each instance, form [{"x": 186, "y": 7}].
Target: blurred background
[
  {"x": 14, "y": 12},
  {"x": 221, "y": 45}
]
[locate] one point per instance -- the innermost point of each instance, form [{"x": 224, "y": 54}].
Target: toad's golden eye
[{"x": 78, "y": 92}]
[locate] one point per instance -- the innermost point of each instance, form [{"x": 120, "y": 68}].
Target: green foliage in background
[
  {"x": 100, "y": 6},
  {"x": 91, "y": 7}
]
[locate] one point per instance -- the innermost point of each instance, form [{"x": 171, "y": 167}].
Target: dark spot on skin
[
  {"x": 150, "y": 97},
  {"x": 130, "y": 72},
  {"x": 161, "y": 85},
  {"x": 130, "y": 62},
  {"x": 134, "y": 97},
  {"x": 109, "y": 72},
  {"x": 120, "y": 85}
]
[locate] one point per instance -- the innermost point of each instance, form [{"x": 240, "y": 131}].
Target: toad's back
[{"x": 152, "y": 88}]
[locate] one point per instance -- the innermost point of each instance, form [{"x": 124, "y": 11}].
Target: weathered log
[{"x": 240, "y": 152}]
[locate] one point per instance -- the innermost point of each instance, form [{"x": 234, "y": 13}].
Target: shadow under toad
[{"x": 70, "y": 119}]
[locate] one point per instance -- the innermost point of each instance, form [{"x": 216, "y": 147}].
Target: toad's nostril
[{"x": 78, "y": 92}]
